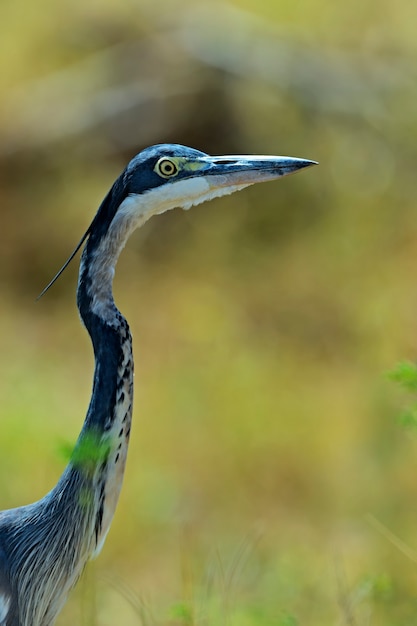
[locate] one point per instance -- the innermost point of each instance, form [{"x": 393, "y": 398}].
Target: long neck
[{"x": 102, "y": 446}]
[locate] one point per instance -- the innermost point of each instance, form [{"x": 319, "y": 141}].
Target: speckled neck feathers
[{"x": 108, "y": 420}]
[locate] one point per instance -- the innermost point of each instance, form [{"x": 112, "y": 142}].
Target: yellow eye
[{"x": 166, "y": 168}]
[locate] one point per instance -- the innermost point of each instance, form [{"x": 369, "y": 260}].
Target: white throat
[{"x": 137, "y": 209}]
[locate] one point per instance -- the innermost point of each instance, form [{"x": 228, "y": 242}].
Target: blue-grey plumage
[{"x": 44, "y": 546}]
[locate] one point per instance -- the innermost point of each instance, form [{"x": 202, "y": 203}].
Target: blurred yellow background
[{"x": 269, "y": 480}]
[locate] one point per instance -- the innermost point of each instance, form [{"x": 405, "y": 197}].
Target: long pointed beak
[{"x": 249, "y": 169}]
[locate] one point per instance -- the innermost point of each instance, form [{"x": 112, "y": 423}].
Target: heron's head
[{"x": 166, "y": 176}]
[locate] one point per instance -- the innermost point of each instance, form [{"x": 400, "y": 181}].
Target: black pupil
[{"x": 168, "y": 167}]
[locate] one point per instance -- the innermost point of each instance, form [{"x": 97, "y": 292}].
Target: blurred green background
[{"x": 270, "y": 481}]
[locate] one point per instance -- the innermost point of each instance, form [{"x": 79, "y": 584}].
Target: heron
[{"x": 44, "y": 546}]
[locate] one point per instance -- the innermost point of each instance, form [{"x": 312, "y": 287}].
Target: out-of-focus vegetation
[{"x": 270, "y": 479}]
